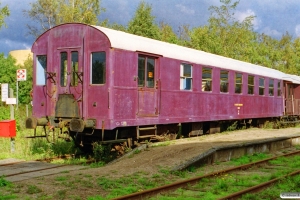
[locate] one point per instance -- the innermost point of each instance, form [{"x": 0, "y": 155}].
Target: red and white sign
[{"x": 21, "y": 75}]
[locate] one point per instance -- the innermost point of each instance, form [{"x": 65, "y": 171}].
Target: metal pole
[
  {"x": 12, "y": 116},
  {"x": 17, "y": 94},
  {"x": 11, "y": 95}
]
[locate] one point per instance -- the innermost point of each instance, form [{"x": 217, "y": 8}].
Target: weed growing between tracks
[
  {"x": 290, "y": 184},
  {"x": 225, "y": 184},
  {"x": 249, "y": 158}
]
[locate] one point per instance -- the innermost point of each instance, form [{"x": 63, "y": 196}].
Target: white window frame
[{"x": 186, "y": 78}]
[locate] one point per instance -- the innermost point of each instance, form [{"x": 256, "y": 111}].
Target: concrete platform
[{"x": 225, "y": 153}]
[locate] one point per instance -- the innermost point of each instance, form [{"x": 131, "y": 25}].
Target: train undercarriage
[{"x": 128, "y": 137}]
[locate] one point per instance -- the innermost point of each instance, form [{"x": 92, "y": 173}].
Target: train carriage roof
[
  {"x": 126, "y": 41},
  {"x": 132, "y": 42}
]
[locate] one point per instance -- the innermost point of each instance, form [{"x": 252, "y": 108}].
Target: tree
[
  {"x": 49, "y": 13},
  {"x": 167, "y": 34},
  {"x": 85, "y": 11},
  {"x": 224, "y": 35},
  {"x": 142, "y": 23},
  {"x": 114, "y": 26},
  {"x": 4, "y": 12},
  {"x": 25, "y": 87},
  {"x": 9, "y": 68}
]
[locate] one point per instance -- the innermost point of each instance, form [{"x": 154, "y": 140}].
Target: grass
[
  {"x": 30, "y": 149},
  {"x": 32, "y": 189},
  {"x": 113, "y": 187},
  {"x": 162, "y": 144},
  {"x": 289, "y": 184},
  {"x": 4, "y": 182},
  {"x": 249, "y": 158},
  {"x": 225, "y": 184}
]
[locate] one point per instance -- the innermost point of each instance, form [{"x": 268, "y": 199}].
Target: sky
[{"x": 273, "y": 17}]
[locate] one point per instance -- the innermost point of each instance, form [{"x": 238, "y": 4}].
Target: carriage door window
[
  {"x": 41, "y": 67},
  {"x": 271, "y": 87},
  {"x": 98, "y": 61},
  {"x": 238, "y": 83},
  {"x": 261, "y": 86},
  {"x": 185, "y": 77},
  {"x": 278, "y": 89},
  {"x": 74, "y": 68},
  {"x": 250, "y": 84},
  {"x": 146, "y": 71},
  {"x": 206, "y": 79},
  {"x": 290, "y": 91},
  {"x": 224, "y": 81},
  {"x": 63, "y": 68}
]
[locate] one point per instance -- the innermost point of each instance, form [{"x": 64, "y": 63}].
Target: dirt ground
[{"x": 152, "y": 159}]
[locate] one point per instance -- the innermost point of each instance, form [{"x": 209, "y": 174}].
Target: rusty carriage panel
[
  {"x": 297, "y": 107},
  {"x": 67, "y": 106}
]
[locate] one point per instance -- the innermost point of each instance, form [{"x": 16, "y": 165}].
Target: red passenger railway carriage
[{"x": 95, "y": 83}]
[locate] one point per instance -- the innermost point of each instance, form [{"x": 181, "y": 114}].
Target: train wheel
[{"x": 52, "y": 135}]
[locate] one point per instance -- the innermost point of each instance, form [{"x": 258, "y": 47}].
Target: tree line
[{"x": 222, "y": 35}]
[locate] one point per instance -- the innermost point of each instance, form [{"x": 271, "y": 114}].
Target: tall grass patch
[{"x": 28, "y": 148}]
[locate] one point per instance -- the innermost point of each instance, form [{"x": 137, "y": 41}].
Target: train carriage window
[
  {"x": 206, "y": 79},
  {"x": 141, "y": 71},
  {"x": 250, "y": 84},
  {"x": 150, "y": 72},
  {"x": 98, "y": 68},
  {"x": 238, "y": 83},
  {"x": 271, "y": 87},
  {"x": 186, "y": 77},
  {"x": 279, "y": 88},
  {"x": 74, "y": 68},
  {"x": 223, "y": 81},
  {"x": 41, "y": 67},
  {"x": 63, "y": 68},
  {"x": 261, "y": 86},
  {"x": 146, "y": 71}
]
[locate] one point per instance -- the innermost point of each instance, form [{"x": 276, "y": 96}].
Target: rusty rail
[
  {"x": 39, "y": 160},
  {"x": 257, "y": 188},
  {"x": 37, "y": 170},
  {"x": 12, "y": 163},
  {"x": 180, "y": 184}
]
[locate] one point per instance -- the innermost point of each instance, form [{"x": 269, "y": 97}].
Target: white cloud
[
  {"x": 242, "y": 15},
  {"x": 185, "y": 9},
  {"x": 297, "y": 30},
  {"x": 15, "y": 45},
  {"x": 271, "y": 32}
]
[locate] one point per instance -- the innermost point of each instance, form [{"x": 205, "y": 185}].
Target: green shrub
[
  {"x": 4, "y": 182},
  {"x": 103, "y": 152}
]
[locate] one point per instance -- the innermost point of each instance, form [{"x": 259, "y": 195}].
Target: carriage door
[
  {"x": 147, "y": 86},
  {"x": 289, "y": 99},
  {"x": 70, "y": 86}
]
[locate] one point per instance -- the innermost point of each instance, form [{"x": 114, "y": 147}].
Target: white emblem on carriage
[{"x": 124, "y": 123}]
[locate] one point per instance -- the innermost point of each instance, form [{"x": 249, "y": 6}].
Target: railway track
[
  {"x": 187, "y": 184},
  {"x": 22, "y": 170},
  {"x": 259, "y": 187}
]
